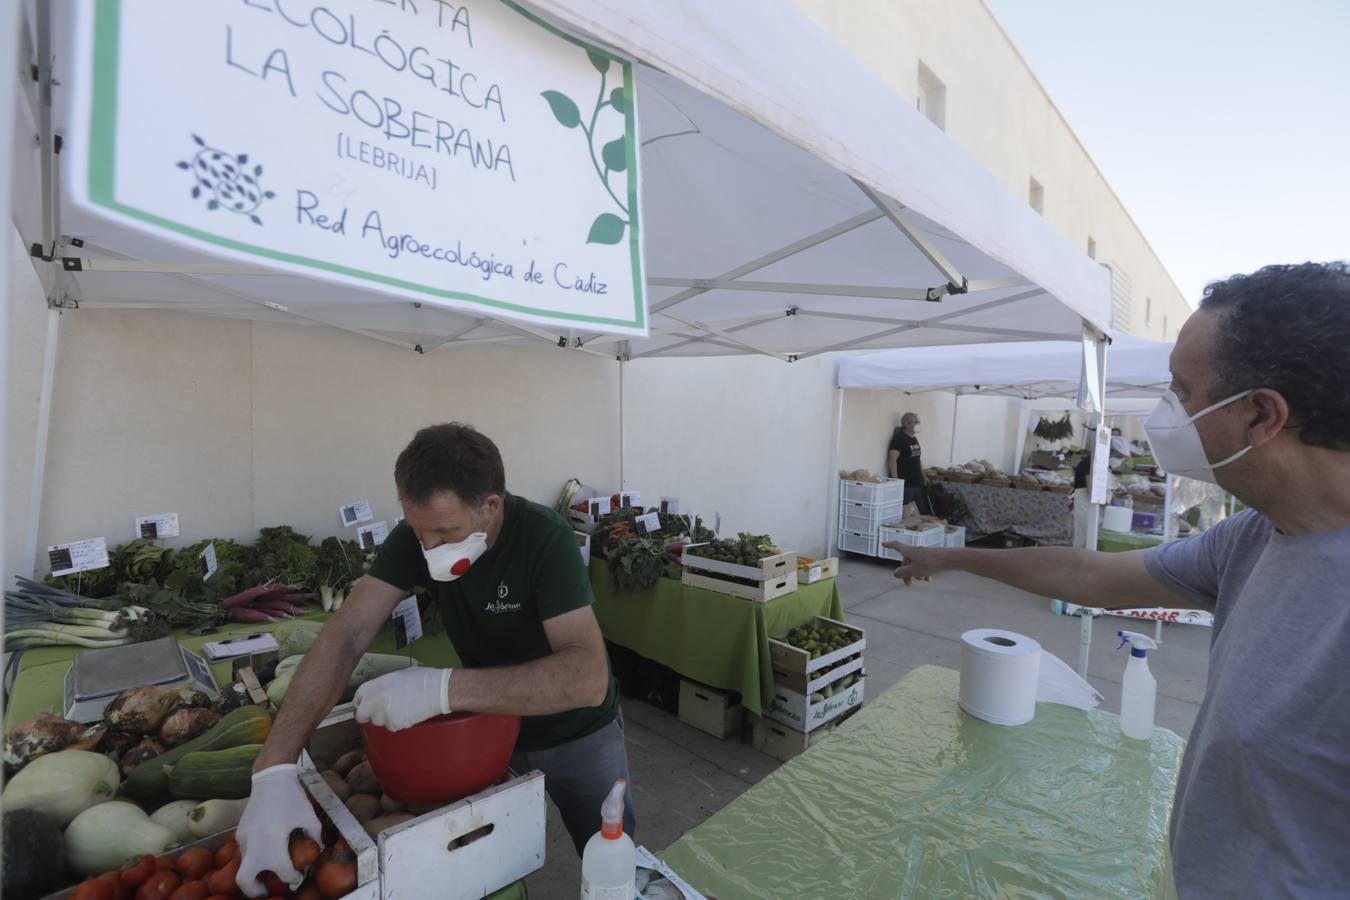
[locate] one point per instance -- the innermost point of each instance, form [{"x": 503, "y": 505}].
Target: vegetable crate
[
  {"x": 710, "y": 710},
  {"x": 856, "y": 516},
  {"x": 890, "y": 491},
  {"x": 800, "y": 712},
  {"x": 467, "y": 849},
  {"x": 929, "y": 537},
  {"x": 795, "y": 669},
  {"x": 783, "y": 743},
  {"x": 817, "y": 570},
  {"x": 955, "y": 536},
  {"x": 864, "y": 542},
  {"x": 772, "y": 578}
]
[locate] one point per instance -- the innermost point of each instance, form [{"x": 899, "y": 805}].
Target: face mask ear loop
[{"x": 1220, "y": 405}]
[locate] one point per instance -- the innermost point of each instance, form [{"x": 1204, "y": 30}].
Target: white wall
[
  {"x": 986, "y": 427},
  {"x": 237, "y": 425}
]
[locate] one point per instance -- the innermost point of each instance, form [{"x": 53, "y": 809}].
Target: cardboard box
[
  {"x": 711, "y": 710},
  {"x": 801, "y": 713},
  {"x": 783, "y": 743}
]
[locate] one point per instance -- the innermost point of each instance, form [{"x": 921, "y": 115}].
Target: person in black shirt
[{"x": 902, "y": 457}]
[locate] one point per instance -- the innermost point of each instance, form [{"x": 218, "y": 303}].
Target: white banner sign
[{"x": 461, "y": 154}]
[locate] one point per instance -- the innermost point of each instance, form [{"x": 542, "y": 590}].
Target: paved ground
[{"x": 681, "y": 775}]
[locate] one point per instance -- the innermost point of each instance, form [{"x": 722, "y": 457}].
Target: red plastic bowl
[{"x": 443, "y": 759}]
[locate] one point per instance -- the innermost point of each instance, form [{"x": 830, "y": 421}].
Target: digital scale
[{"x": 97, "y": 676}]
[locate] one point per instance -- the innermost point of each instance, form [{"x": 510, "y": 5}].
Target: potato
[
  {"x": 347, "y": 761},
  {"x": 375, "y": 826},
  {"x": 337, "y": 784},
  {"x": 364, "y": 806},
  {"x": 361, "y": 779},
  {"x": 390, "y": 805}
]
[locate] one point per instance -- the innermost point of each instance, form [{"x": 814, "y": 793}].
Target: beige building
[{"x": 966, "y": 76}]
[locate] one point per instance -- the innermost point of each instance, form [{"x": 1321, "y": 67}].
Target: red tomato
[
  {"x": 191, "y": 890},
  {"x": 304, "y": 852},
  {"x": 159, "y": 887},
  {"x": 222, "y": 880},
  {"x": 308, "y": 891},
  {"x": 193, "y": 862},
  {"x": 93, "y": 889},
  {"x": 164, "y": 864},
  {"x": 134, "y": 872}
]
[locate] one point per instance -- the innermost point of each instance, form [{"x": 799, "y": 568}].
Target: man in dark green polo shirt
[{"x": 516, "y": 602}]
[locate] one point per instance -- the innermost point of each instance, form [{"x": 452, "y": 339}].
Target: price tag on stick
[
  {"x": 78, "y": 556},
  {"x": 670, "y": 506},
  {"x": 157, "y": 527},
  {"x": 648, "y": 524},
  {"x": 208, "y": 561},
  {"x": 355, "y": 513},
  {"x": 407, "y": 623},
  {"x": 372, "y": 536}
]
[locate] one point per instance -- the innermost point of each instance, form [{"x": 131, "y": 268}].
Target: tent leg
[
  {"x": 1169, "y": 527},
  {"x": 9, "y": 29},
  {"x": 623, "y": 485},
  {"x": 44, "y": 422},
  {"x": 1084, "y": 643},
  {"x": 832, "y": 492},
  {"x": 956, "y": 408}
]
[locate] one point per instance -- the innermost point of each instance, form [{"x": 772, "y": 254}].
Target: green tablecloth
[
  {"x": 913, "y": 798},
  {"x": 42, "y": 672},
  {"x": 710, "y": 637},
  {"x": 1120, "y": 541}
]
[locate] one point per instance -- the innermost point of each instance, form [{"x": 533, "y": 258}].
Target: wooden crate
[
  {"x": 818, "y": 570},
  {"x": 468, "y": 849},
  {"x": 799, "y": 711},
  {"x": 710, "y": 710},
  {"x": 762, "y": 592},
  {"x": 783, "y": 743},
  {"x": 796, "y": 669},
  {"x": 770, "y": 568}
]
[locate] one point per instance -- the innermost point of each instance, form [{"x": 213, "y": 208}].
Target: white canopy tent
[{"x": 793, "y": 205}]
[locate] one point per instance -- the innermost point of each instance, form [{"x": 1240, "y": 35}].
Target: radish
[
  {"x": 246, "y": 597},
  {"x": 244, "y": 614}
]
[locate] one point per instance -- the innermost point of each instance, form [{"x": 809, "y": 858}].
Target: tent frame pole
[{"x": 832, "y": 492}]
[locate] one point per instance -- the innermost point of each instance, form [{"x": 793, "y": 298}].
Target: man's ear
[{"x": 1270, "y": 416}]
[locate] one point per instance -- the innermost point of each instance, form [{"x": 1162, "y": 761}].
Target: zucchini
[
  {"x": 214, "y": 774},
  {"x": 148, "y": 783}
]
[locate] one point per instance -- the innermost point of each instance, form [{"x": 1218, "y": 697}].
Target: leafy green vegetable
[{"x": 637, "y": 563}]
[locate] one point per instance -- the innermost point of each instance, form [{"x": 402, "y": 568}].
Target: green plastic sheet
[
  {"x": 914, "y": 798},
  {"x": 714, "y": 638},
  {"x": 1121, "y": 541}
]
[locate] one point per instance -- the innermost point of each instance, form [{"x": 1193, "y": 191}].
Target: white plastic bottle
[
  {"x": 1139, "y": 689},
  {"x": 609, "y": 862}
]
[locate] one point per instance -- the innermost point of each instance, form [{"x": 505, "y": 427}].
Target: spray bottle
[
  {"x": 1139, "y": 689},
  {"x": 609, "y": 862}
]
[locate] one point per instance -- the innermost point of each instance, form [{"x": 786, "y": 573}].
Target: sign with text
[
  {"x": 372, "y": 536},
  {"x": 407, "y": 622},
  {"x": 208, "y": 562},
  {"x": 648, "y": 524},
  {"x": 1101, "y": 465},
  {"x": 158, "y": 526},
  {"x": 466, "y": 154},
  {"x": 355, "y": 513},
  {"x": 78, "y": 556}
]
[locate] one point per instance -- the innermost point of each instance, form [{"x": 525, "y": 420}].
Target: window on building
[
  {"x": 1036, "y": 196},
  {"x": 932, "y": 100},
  {"x": 1148, "y": 312},
  {"x": 1092, "y": 249},
  {"x": 1121, "y": 292}
]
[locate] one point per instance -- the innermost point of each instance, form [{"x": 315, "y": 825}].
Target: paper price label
[
  {"x": 158, "y": 526},
  {"x": 208, "y": 561},
  {"x": 630, "y": 499},
  {"x": 78, "y": 556},
  {"x": 372, "y": 536},
  {"x": 355, "y": 513},
  {"x": 648, "y": 524},
  {"x": 1101, "y": 465},
  {"x": 670, "y": 506},
  {"x": 599, "y": 506},
  {"x": 407, "y": 623}
]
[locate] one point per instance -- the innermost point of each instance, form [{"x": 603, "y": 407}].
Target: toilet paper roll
[{"x": 999, "y": 674}]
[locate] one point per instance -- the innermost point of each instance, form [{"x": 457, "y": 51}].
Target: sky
[{"x": 1223, "y": 125}]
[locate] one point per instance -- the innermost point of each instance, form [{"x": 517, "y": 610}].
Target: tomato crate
[
  {"x": 817, "y": 570},
  {"x": 468, "y": 849},
  {"x": 807, "y": 712},
  {"x": 796, "y": 669}
]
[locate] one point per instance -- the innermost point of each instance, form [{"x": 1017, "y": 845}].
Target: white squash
[
  {"x": 99, "y": 838},
  {"x": 63, "y": 784},
  {"x": 214, "y": 816},
  {"x": 174, "y": 816}
]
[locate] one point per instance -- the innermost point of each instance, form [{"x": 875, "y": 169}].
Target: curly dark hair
[
  {"x": 449, "y": 457},
  {"x": 1287, "y": 328}
]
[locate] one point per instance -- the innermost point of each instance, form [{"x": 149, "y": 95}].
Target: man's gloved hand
[
  {"x": 402, "y": 699},
  {"x": 277, "y": 806}
]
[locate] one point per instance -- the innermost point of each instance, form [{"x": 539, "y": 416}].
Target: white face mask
[
  {"x": 446, "y": 562},
  {"x": 1176, "y": 441}
]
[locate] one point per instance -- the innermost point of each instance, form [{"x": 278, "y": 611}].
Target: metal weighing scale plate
[{"x": 97, "y": 676}]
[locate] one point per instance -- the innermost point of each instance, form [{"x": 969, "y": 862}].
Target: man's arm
[
  {"x": 1088, "y": 578},
  {"x": 893, "y": 463},
  {"x": 574, "y": 675},
  {"x": 322, "y": 677}
]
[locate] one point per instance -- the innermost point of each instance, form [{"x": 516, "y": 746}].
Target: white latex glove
[
  {"x": 277, "y": 806},
  {"x": 402, "y": 699}
]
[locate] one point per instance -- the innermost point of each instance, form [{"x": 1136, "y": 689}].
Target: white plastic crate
[
  {"x": 955, "y": 536},
  {"x": 890, "y": 491},
  {"x": 856, "y": 516},
  {"x": 932, "y": 537},
  {"x": 858, "y": 542}
]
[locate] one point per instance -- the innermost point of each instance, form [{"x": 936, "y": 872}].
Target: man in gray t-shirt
[{"x": 1259, "y": 403}]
